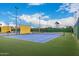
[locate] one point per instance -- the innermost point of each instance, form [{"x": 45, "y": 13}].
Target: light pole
[
  {"x": 39, "y": 24},
  {"x": 16, "y": 20}
]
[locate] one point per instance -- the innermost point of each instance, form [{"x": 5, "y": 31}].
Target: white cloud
[
  {"x": 34, "y": 19},
  {"x": 10, "y": 14},
  {"x": 45, "y": 20},
  {"x": 35, "y": 4},
  {"x": 70, "y": 21},
  {"x": 3, "y": 23},
  {"x": 71, "y": 8},
  {"x": 12, "y": 24}
]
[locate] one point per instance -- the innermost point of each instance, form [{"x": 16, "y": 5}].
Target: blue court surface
[{"x": 41, "y": 38}]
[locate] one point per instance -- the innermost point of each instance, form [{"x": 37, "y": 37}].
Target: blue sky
[
  {"x": 7, "y": 11},
  {"x": 48, "y": 8}
]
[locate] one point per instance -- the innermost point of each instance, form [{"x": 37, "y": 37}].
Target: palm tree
[{"x": 57, "y": 24}]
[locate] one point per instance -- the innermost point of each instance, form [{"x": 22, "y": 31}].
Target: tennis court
[{"x": 41, "y": 38}]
